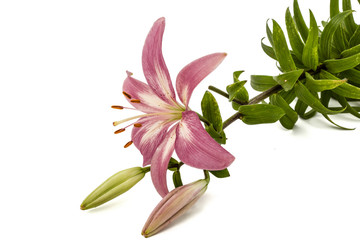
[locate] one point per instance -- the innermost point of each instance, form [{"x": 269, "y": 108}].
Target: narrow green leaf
[
  {"x": 334, "y": 8},
  {"x": 325, "y": 99},
  {"x": 236, "y": 75},
  {"x": 344, "y": 103},
  {"x": 234, "y": 89},
  {"x": 288, "y": 96},
  {"x": 349, "y": 21},
  {"x": 352, "y": 75},
  {"x": 310, "y": 55},
  {"x": 262, "y": 82},
  {"x": 287, "y": 80},
  {"x": 300, "y": 108},
  {"x": 294, "y": 38},
  {"x": 355, "y": 38},
  {"x": 308, "y": 98},
  {"x": 343, "y": 64},
  {"x": 269, "y": 33},
  {"x": 281, "y": 49},
  {"x": 348, "y": 91},
  {"x": 351, "y": 51},
  {"x": 268, "y": 50},
  {"x": 218, "y": 136},
  {"x": 299, "y": 21},
  {"x": 221, "y": 173},
  {"x": 177, "y": 179},
  {"x": 289, "y": 119},
  {"x": 322, "y": 85},
  {"x": 260, "y": 113},
  {"x": 211, "y": 111},
  {"x": 327, "y": 36}
]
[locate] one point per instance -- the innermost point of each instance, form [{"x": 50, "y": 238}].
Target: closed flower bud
[
  {"x": 114, "y": 186},
  {"x": 173, "y": 205}
]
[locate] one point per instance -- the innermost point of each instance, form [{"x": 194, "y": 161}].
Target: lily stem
[{"x": 262, "y": 96}]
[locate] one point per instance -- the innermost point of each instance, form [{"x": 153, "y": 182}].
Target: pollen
[
  {"x": 119, "y": 131},
  {"x": 135, "y": 101},
  {"x": 117, "y": 107},
  {"x": 137, "y": 124},
  {"x": 128, "y": 144},
  {"x": 127, "y": 95}
]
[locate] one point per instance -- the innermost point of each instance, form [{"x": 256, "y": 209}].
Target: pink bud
[{"x": 173, "y": 205}]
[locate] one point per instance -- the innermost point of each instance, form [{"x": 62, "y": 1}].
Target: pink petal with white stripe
[
  {"x": 149, "y": 101},
  {"x": 151, "y": 133},
  {"x": 196, "y": 148},
  {"x": 154, "y": 67},
  {"x": 193, "y": 73},
  {"x": 160, "y": 161}
]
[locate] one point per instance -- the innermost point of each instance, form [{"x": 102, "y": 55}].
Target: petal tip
[{"x": 129, "y": 73}]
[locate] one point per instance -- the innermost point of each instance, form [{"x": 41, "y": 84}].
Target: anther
[
  {"x": 135, "y": 100},
  {"x": 128, "y": 144},
  {"x": 117, "y": 107},
  {"x": 137, "y": 124},
  {"x": 120, "y": 130},
  {"x": 127, "y": 95}
]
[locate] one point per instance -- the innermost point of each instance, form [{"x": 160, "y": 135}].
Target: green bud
[{"x": 114, "y": 186}]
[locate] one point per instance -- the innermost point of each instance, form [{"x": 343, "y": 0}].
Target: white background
[{"x": 62, "y": 64}]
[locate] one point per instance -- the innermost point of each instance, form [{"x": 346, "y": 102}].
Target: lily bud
[
  {"x": 114, "y": 186},
  {"x": 173, "y": 205}
]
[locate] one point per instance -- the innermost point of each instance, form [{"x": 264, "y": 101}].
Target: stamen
[
  {"x": 137, "y": 124},
  {"x": 119, "y": 131},
  {"x": 127, "y": 95},
  {"x": 128, "y": 144},
  {"x": 117, "y": 107},
  {"x": 135, "y": 100}
]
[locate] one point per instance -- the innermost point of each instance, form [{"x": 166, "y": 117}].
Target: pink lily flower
[{"x": 166, "y": 124}]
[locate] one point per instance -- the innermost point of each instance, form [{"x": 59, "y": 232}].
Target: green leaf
[
  {"x": 299, "y": 21},
  {"x": 281, "y": 49},
  {"x": 236, "y": 75},
  {"x": 351, "y": 51},
  {"x": 287, "y": 80},
  {"x": 218, "y": 136},
  {"x": 352, "y": 75},
  {"x": 349, "y": 21},
  {"x": 262, "y": 82},
  {"x": 343, "y": 64},
  {"x": 294, "y": 38},
  {"x": 269, "y": 34},
  {"x": 310, "y": 56},
  {"x": 221, "y": 173},
  {"x": 308, "y": 98},
  {"x": 268, "y": 50},
  {"x": 322, "y": 85},
  {"x": 327, "y": 36},
  {"x": 288, "y": 96},
  {"x": 289, "y": 119},
  {"x": 260, "y": 113},
  {"x": 300, "y": 108},
  {"x": 211, "y": 111},
  {"x": 177, "y": 179},
  {"x": 334, "y": 8},
  {"x": 355, "y": 38},
  {"x": 234, "y": 89},
  {"x": 344, "y": 103},
  {"x": 348, "y": 91}
]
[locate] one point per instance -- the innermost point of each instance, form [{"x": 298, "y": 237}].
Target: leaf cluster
[{"x": 320, "y": 64}]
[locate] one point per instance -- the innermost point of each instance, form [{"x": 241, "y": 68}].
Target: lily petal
[
  {"x": 160, "y": 161},
  {"x": 154, "y": 67},
  {"x": 151, "y": 133},
  {"x": 149, "y": 101},
  {"x": 196, "y": 148},
  {"x": 193, "y": 73}
]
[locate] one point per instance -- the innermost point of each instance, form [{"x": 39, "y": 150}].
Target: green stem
[
  {"x": 262, "y": 96},
  {"x": 207, "y": 175},
  {"x": 224, "y": 94},
  {"x": 204, "y": 120}
]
